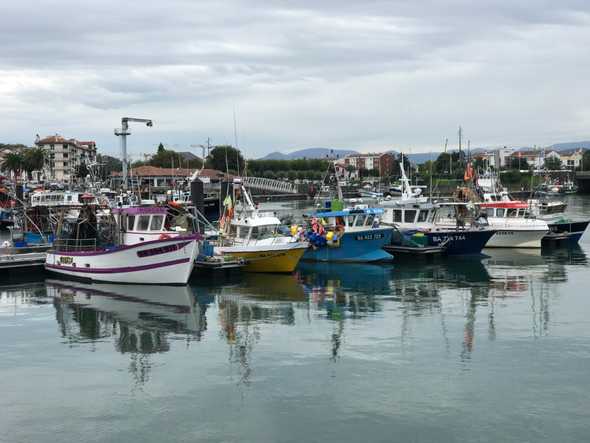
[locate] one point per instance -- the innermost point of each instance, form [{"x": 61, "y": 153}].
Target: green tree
[
  {"x": 108, "y": 165},
  {"x": 82, "y": 170},
  {"x": 219, "y": 155},
  {"x": 161, "y": 148},
  {"x": 552, "y": 164},
  {"x": 13, "y": 162},
  {"x": 33, "y": 160}
]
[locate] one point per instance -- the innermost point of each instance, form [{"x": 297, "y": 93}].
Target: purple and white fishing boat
[{"x": 140, "y": 245}]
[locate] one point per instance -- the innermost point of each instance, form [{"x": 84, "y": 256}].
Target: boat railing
[{"x": 75, "y": 245}]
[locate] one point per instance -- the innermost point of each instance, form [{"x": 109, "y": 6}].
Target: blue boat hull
[
  {"x": 355, "y": 247},
  {"x": 461, "y": 242},
  {"x": 572, "y": 232}
]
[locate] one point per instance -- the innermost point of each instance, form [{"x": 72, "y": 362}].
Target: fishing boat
[
  {"x": 131, "y": 245},
  {"x": 255, "y": 237},
  {"x": 562, "y": 228},
  {"x": 514, "y": 226},
  {"x": 347, "y": 235},
  {"x": 424, "y": 228},
  {"x": 427, "y": 227}
]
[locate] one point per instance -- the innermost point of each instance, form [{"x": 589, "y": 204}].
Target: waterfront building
[
  {"x": 64, "y": 157},
  {"x": 535, "y": 158},
  {"x": 382, "y": 162},
  {"x": 572, "y": 158}
]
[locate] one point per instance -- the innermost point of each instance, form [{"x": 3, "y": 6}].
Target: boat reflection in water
[
  {"x": 141, "y": 319},
  {"x": 455, "y": 298}
]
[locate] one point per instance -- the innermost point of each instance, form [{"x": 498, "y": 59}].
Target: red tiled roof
[
  {"x": 53, "y": 139},
  {"x": 154, "y": 171}
]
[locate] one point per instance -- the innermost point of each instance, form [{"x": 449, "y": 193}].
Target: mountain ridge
[{"x": 421, "y": 157}]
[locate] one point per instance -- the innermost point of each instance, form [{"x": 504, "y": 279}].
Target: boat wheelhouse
[
  {"x": 61, "y": 198},
  {"x": 147, "y": 223}
]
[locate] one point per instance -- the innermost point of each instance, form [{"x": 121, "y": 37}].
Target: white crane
[{"x": 124, "y": 132}]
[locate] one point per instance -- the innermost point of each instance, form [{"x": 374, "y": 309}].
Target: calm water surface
[{"x": 473, "y": 350}]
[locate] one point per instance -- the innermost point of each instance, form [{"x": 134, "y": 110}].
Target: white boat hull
[
  {"x": 164, "y": 262},
  {"x": 516, "y": 238}
]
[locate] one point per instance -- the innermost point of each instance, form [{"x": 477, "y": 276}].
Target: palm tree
[
  {"x": 13, "y": 162},
  {"x": 33, "y": 160}
]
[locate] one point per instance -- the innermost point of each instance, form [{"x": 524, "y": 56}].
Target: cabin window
[
  {"x": 369, "y": 220},
  {"x": 233, "y": 230},
  {"x": 490, "y": 212},
  {"x": 143, "y": 223},
  {"x": 261, "y": 232},
  {"x": 360, "y": 219},
  {"x": 130, "y": 222},
  {"x": 351, "y": 220},
  {"x": 69, "y": 197},
  {"x": 410, "y": 215},
  {"x": 397, "y": 215},
  {"x": 511, "y": 213},
  {"x": 422, "y": 216},
  {"x": 156, "y": 224},
  {"x": 500, "y": 212}
]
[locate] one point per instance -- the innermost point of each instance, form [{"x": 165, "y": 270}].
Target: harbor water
[{"x": 475, "y": 349}]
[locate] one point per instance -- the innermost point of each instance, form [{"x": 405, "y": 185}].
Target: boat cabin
[
  {"x": 61, "y": 198},
  {"x": 428, "y": 215},
  {"x": 254, "y": 228},
  {"x": 349, "y": 219},
  {"x": 513, "y": 209},
  {"x": 146, "y": 223}
]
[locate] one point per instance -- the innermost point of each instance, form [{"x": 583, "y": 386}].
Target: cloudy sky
[{"x": 368, "y": 75}]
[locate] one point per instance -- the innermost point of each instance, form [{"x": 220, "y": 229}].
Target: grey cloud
[{"x": 346, "y": 73}]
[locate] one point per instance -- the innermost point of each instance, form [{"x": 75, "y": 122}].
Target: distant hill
[
  {"x": 309, "y": 153},
  {"x": 570, "y": 145}
]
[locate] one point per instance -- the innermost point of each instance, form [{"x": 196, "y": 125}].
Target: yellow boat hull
[{"x": 281, "y": 261}]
